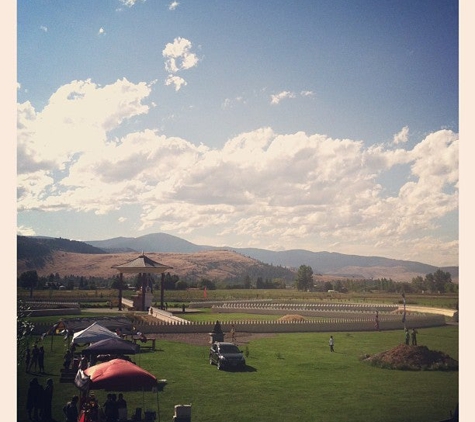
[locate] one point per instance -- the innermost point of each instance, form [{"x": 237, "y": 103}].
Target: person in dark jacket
[
  {"x": 48, "y": 401},
  {"x": 71, "y": 410},
  {"x": 34, "y": 357},
  {"x": 68, "y": 357},
  {"x": 34, "y": 400},
  {"x": 41, "y": 359},
  {"x": 27, "y": 359}
]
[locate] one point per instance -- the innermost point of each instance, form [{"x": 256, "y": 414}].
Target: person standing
[
  {"x": 109, "y": 408},
  {"x": 376, "y": 321},
  {"x": 233, "y": 333},
  {"x": 71, "y": 410},
  {"x": 41, "y": 359},
  {"x": 34, "y": 357},
  {"x": 48, "y": 401},
  {"x": 34, "y": 400},
  {"x": 331, "y": 343},
  {"x": 414, "y": 337},
  {"x": 406, "y": 334},
  {"x": 68, "y": 357},
  {"x": 31, "y": 397},
  {"x": 122, "y": 407},
  {"x": 27, "y": 359}
]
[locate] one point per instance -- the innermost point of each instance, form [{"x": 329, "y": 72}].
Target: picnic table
[{"x": 144, "y": 339}]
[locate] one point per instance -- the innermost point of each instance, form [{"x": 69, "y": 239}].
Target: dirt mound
[
  {"x": 413, "y": 358},
  {"x": 292, "y": 318}
]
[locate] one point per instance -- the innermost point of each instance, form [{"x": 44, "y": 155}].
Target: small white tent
[{"x": 93, "y": 333}]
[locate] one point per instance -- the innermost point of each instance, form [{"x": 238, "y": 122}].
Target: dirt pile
[
  {"x": 292, "y": 318},
  {"x": 413, "y": 358}
]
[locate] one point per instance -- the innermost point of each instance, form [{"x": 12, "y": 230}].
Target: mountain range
[
  {"x": 327, "y": 263},
  {"x": 218, "y": 259}
]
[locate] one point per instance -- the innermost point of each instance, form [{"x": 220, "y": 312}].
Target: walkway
[{"x": 429, "y": 310}]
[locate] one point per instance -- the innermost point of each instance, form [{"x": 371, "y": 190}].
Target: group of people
[
  {"x": 39, "y": 401},
  {"x": 408, "y": 336},
  {"x": 114, "y": 409},
  {"x": 35, "y": 358},
  {"x": 412, "y": 336}
]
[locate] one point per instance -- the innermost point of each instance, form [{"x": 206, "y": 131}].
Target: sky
[{"x": 323, "y": 125}]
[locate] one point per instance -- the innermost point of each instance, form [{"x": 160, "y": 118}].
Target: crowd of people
[
  {"x": 35, "y": 359},
  {"x": 39, "y": 400},
  {"x": 87, "y": 409}
]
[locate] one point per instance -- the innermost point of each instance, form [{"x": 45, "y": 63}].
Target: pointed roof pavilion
[{"x": 142, "y": 265}]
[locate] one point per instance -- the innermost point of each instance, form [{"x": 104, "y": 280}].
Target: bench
[{"x": 144, "y": 340}]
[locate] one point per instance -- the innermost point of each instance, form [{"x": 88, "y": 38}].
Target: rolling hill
[{"x": 190, "y": 261}]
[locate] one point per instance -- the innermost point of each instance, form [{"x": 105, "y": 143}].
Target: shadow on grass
[
  {"x": 245, "y": 368},
  {"x": 146, "y": 351}
]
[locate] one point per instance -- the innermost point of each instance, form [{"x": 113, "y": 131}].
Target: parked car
[{"x": 226, "y": 355}]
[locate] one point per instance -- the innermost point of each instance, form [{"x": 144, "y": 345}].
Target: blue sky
[{"x": 319, "y": 125}]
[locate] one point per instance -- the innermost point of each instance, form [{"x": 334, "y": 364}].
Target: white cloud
[
  {"x": 402, "y": 136},
  {"x": 277, "y": 98},
  {"x": 176, "y": 81},
  {"x": 173, "y": 5},
  {"x": 25, "y": 231},
  {"x": 44, "y": 28},
  {"x": 276, "y": 189},
  {"x": 230, "y": 102},
  {"x": 178, "y": 55},
  {"x": 75, "y": 121},
  {"x": 130, "y": 3}
]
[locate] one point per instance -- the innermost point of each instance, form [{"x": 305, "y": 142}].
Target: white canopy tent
[{"x": 93, "y": 333}]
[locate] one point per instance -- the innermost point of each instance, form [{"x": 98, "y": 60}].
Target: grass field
[{"x": 289, "y": 377}]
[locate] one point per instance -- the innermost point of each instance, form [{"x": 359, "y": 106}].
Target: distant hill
[
  {"x": 35, "y": 251},
  {"x": 331, "y": 262},
  {"x": 326, "y": 263},
  {"x": 215, "y": 265},
  {"x": 195, "y": 261},
  {"x": 157, "y": 242}
]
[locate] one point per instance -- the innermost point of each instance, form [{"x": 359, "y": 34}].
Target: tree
[
  {"x": 29, "y": 280},
  {"x": 437, "y": 281},
  {"x": 204, "y": 282},
  {"x": 170, "y": 282},
  {"x": 304, "y": 280},
  {"x": 441, "y": 278},
  {"x": 23, "y": 330},
  {"x": 339, "y": 286},
  {"x": 181, "y": 285},
  {"x": 419, "y": 284}
]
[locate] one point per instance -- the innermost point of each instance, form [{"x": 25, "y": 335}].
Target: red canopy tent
[{"x": 117, "y": 375}]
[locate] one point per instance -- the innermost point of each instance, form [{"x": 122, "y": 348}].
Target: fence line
[{"x": 258, "y": 326}]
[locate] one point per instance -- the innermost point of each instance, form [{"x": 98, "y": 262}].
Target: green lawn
[{"x": 290, "y": 377}]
